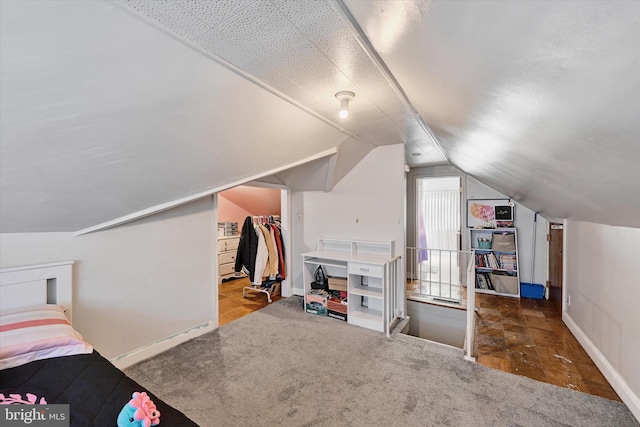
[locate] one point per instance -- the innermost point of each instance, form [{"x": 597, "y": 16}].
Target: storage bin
[
  {"x": 337, "y": 315},
  {"x": 316, "y": 303},
  {"x": 504, "y": 283},
  {"x": 531, "y": 290},
  {"x": 504, "y": 242},
  {"x": 484, "y": 243},
  {"x": 337, "y": 283},
  {"x": 227, "y": 228},
  {"x": 337, "y": 305}
]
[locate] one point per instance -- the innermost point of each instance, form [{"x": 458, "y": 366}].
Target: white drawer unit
[
  {"x": 226, "y": 270},
  {"x": 226, "y": 244},
  {"x": 371, "y": 270},
  {"x": 227, "y": 250},
  {"x": 374, "y": 279},
  {"x": 227, "y": 257}
]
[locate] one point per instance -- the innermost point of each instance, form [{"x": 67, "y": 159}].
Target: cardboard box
[
  {"x": 337, "y": 315},
  {"x": 337, "y": 305},
  {"x": 338, "y": 284},
  {"x": 316, "y": 303}
]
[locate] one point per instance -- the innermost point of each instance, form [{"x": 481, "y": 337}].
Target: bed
[{"x": 36, "y": 308}]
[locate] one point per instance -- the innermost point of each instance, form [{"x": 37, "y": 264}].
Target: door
[{"x": 555, "y": 238}]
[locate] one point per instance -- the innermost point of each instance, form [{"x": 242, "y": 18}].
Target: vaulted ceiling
[{"x": 109, "y": 108}]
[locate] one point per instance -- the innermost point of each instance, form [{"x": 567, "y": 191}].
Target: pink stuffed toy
[{"x": 140, "y": 411}]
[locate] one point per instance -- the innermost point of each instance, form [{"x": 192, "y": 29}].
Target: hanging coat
[{"x": 247, "y": 248}]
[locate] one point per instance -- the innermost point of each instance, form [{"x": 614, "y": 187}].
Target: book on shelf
[
  {"x": 508, "y": 262},
  {"x": 483, "y": 281}
]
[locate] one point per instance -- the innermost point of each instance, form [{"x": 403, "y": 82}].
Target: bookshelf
[{"x": 496, "y": 261}]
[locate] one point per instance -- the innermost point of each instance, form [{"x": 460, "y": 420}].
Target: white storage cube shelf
[
  {"x": 363, "y": 264},
  {"x": 366, "y": 295}
]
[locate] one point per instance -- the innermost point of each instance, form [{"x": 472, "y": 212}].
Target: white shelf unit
[
  {"x": 356, "y": 247},
  {"x": 366, "y": 295},
  {"x": 500, "y": 264},
  {"x": 371, "y": 269}
]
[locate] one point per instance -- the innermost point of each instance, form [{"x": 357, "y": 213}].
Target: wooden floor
[
  {"x": 233, "y": 306},
  {"x": 527, "y": 337}
]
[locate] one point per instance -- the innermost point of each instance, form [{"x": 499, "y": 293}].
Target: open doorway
[
  {"x": 234, "y": 207},
  {"x": 438, "y": 236},
  {"x": 555, "y": 239},
  {"x": 435, "y": 295}
]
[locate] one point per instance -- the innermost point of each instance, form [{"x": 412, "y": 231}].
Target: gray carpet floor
[{"x": 282, "y": 367}]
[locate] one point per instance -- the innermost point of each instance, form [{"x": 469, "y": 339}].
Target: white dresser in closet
[{"x": 227, "y": 249}]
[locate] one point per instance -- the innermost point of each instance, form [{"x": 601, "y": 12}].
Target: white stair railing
[
  {"x": 444, "y": 276},
  {"x": 471, "y": 309},
  {"x": 437, "y": 274}
]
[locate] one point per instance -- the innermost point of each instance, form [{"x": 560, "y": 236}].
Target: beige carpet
[{"x": 282, "y": 367}]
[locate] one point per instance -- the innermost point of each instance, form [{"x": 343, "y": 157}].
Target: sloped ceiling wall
[
  {"x": 254, "y": 199},
  {"x": 104, "y": 113},
  {"x": 102, "y": 116},
  {"x": 538, "y": 99}
]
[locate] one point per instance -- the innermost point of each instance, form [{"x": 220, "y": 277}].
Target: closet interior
[{"x": 245, "y": 285}]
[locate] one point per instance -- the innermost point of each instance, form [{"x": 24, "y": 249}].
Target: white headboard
[{"x": 37, "y": 284}]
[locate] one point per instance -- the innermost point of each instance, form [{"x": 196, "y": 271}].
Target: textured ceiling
[
  {"x": 306, "y": 51},
  {"x": 103, "y": 116},
  {"x": 109, "y": 108},
  {"x": 538, "y": 99}
]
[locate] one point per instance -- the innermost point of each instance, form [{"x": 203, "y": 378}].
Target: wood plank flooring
[
  {"x": 527, "y": 337},
  {"x": 233, "y": 306}
]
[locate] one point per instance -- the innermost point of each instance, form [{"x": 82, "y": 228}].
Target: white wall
[
  {"x": 367, "y": 204},
  {"x": 134, "y": 284},
  {"x": 602, "y": 279}
]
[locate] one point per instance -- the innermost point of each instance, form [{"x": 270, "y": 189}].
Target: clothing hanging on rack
[
  {"x": 280, "y": 247},
  {"x": 261, "y": 253},
  {"x": 247, "y": 248}
]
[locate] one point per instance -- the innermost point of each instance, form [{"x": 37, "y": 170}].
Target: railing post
[{"x": 471, "y": 308}]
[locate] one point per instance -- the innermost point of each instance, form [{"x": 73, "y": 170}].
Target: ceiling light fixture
[{"x": 344, "y": 97}]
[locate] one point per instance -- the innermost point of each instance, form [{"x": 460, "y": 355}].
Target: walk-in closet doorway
[{"x": 262, "y": 203}]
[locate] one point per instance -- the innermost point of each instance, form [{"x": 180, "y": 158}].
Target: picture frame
[
  {"x": 481, "y": 213},
  {"x": 504, "y": 213}
]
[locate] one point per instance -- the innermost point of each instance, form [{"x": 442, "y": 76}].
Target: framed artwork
[
  {"x": 504, "y": 213},
  {"x": 482, "y": 212}
]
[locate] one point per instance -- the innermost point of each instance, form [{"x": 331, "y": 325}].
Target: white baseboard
[
  {"x": 615, "y": 380},
  {"x": 125, "y": 360},
  {"x": 297, "y": 291}
]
